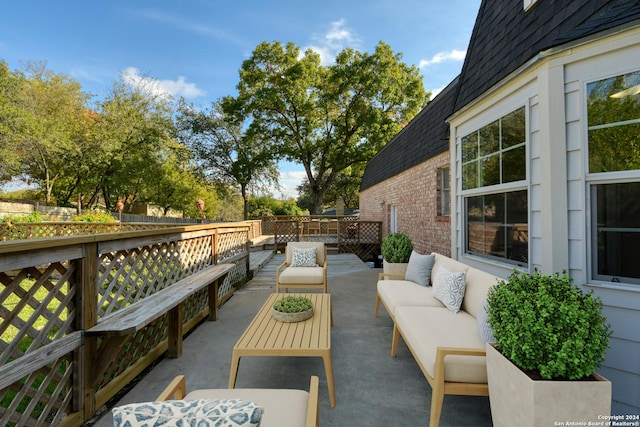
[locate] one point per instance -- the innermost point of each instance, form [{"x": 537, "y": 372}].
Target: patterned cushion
[
  {"x": 448, "y": 288},
  {"x": 419, "y": 268},
  {"x": 178, "y": 413},
  {"x": 303, "y": 257},
  {"x": 484, "y": 328}
]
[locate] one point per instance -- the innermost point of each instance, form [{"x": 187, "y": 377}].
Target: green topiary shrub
[
  {"x": 545, "y": 324},
  {"x": 293, "y": 304},
  {"x": 396, "y": 247}
]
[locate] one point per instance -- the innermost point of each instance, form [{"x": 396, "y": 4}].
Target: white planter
[
  {"x": 517, "y": 400},
  {"x": 394, "y": 267}
]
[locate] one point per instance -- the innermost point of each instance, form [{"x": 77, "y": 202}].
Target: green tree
[
  {"x": 11, "y": 86},
  {"x": 327, "y": 118},
  {"x": 136, "y": 133},
  {"x": 224, "y": 151},
  {"x": 52, "y": 108}
]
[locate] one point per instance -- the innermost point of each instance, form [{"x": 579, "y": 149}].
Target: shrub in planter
[
  {"x": 547, "y": 325},
  {"x": 292, "y": 308},
  {"x": 396, "y": 247}
]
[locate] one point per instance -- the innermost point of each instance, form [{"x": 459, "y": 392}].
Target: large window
[
  {"x": 496, "y": 206},
  {"x": 613, "y": 108}
]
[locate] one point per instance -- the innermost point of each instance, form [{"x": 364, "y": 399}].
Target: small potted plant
[
  {"x": 550, "y": 339},
  {"x": 292, "y": 308},
  {"x": 396, "y": 249}
]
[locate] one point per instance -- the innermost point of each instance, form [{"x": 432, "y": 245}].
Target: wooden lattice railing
[{"x": 52, "y": 290}]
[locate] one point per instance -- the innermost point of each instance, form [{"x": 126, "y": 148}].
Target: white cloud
[
  {"x": 436, "y": 91},
  {"x": 179, "y": 87},
  {"x": 338, "y": 37},
  {"x": 453, "y": 55},
  {"x": 289, "y": 181}
]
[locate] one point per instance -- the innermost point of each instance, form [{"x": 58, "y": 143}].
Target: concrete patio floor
[{"x": 372, "y": 388}]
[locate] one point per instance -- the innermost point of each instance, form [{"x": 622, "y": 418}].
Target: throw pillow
[
  {"x": 448, "y": 288},
  {"x": 174, "y": 413},
  {"x": 484, "y": 328},
  {"x": 419, "y": 268},
  {"x": 303, "y": 257}
]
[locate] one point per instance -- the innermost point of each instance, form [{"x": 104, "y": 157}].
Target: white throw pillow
[
  {"x": 419, "y": 268},
  {"x": 303, "y": 257},
  {"x": 203, "y": 413},
  {"x": 448, "y": 288}
]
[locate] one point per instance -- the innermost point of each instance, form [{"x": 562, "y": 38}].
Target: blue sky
[{"x": 194, "y": 48}]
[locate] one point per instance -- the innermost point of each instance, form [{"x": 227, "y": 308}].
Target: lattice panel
[
  {"x": 41, "y": 398},
  {"x": 135, "y": 348},
  {"x": 127, "y": 276},
  {"x": 231, "y": 245},
  {"x": 285, "y": 231},
  {"x": 36, "y": 309},
  {"x": 36, "y": 306},
  {"x": 361, "y": 238}
]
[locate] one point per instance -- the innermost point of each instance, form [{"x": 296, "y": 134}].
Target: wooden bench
[{"x": 115, "y": 328}]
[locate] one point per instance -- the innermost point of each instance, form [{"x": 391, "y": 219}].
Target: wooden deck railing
[{"x": 54, "y": 289}]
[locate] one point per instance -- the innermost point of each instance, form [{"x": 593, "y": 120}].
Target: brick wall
[{"x": 414, "y": 192}]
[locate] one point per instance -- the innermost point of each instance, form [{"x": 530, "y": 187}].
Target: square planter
[
  {"x": 394, "y": 267},
  {"x": 518, "y": 400}
]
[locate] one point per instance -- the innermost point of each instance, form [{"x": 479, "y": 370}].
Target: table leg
[
  {"x": 328, "y": 369},
  {"x": 235, "y": 362}
]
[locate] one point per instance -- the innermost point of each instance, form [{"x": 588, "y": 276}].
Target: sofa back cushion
[
  {"x": 319, "y": 250},
  {"x": 477, "y": 281},
  {"x": 478, "y": 284}
]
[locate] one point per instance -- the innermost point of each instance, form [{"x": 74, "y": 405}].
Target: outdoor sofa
[{"x": 447, "y": 342}]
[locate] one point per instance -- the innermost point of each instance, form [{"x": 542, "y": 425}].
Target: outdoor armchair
[{"x": 305, "y": 266}]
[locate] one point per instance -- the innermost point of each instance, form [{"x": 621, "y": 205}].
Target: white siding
[{"x": 553, "y": 90}]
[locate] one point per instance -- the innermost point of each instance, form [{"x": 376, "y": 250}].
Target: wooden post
[
  {"x": 176, "y": 319},
  {"x": 86, "y": 304}
]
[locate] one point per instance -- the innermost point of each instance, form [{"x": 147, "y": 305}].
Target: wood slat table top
[{"x": 266, "y": 336}]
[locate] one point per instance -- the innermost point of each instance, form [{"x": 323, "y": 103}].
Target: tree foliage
[
  {"x": 327, "y": 118},
  {"x": 224, "y": 151}
]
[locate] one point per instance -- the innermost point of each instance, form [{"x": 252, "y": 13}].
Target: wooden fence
[{"x": 54, "y": 289}]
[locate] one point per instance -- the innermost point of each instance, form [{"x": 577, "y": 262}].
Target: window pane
[
  {"x": 513, "y": 129},
  {"x": 614, "y": 148},
  {"x": 470, "y": 175},
  {"x": 618, "y": 232},
  {"x": 470, "y": 147},
  {"x": 613, "y": 109},
  {"x": 497, "y": 226},
  {"x": 490, "y": 139},
  {"x": 490, "y": 170},
  {"x": 514, "y": 164}
]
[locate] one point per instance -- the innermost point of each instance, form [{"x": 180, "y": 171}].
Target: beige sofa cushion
[
  {"x": 478, "y": 285},
  {"x": 426, "y": 328},
  {"x": 319, "y": 251},
  {"x": 396, "y": 293},
  {"x": 282, "y": 407},
  {"x": 302, "y": 275}
]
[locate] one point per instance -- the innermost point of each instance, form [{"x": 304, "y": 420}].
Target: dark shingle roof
[
  {"x": 425, "y": 136},
  {"x": 505, "y": 36}
]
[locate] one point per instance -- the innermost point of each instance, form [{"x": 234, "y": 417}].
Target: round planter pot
[{"x": 292, "y": 317}]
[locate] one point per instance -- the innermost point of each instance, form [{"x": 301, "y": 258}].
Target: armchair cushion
[
  {"x": 302, "y": 275},
  {"x": 221, "y": 412},
  {"x": 303, "y": 257}
]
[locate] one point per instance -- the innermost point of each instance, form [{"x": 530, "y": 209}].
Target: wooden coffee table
[{"x": 266, "y": 336}]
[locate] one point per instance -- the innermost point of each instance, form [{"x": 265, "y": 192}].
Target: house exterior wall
[
  {"x": 414, "y": 193},
  {"x": 553, "y": 91}
]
